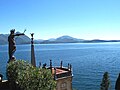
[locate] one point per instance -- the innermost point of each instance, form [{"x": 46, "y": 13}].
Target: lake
[{"x": 89, "y": 60}]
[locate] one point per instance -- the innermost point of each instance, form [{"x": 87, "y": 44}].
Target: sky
[{"x": 83, "y": 19}]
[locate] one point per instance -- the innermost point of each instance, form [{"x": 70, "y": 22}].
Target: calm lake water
[{"x": 89, "y": 60}]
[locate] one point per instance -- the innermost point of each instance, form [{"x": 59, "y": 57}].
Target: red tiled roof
[{"x": 59, "y": 71}]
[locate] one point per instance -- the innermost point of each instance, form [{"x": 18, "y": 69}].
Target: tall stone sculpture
[
  {"x": 12, "y": 45},
  {"x": 33, "y": 62}
]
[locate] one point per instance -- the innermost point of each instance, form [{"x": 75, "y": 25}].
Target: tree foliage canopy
[
  {"x": 29, "y": 77},
  {"x": 105, "y": 84}
]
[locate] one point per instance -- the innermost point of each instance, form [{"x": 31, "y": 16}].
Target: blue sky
[{"x": 85, "y": 19}]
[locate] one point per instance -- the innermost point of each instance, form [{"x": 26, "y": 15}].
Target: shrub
[{"x": 29, "y": 77}]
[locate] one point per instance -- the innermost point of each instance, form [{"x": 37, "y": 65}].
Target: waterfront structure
[{"x": 63, "y": 76}]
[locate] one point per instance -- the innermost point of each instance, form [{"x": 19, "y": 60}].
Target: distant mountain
[
  {"x": 19, "y": 39},
  {"x": 98, "y": 41},
  {"x": 68, "y": 39},
  {"x": 38, "y": 41},
  {"x": 63, "y": 39},
  {"x": 3, "y": 39},
  {"x": 52, "y": 39},
  {"x": 94, "y": 41},
  {"x": 22, "y": 39}
]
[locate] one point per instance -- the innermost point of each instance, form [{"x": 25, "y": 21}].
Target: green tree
[
  {"x": 29, "y": 77},
  {"x": 105, "y": 84}
]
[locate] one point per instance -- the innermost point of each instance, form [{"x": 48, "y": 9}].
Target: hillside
[
  {"x": 19, "y": 40},
  {"x": 3, "y": 39},
  {"x": 63, "y": 39}
]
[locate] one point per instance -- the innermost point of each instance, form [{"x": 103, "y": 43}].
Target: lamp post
[{"x": 33, "y": 62}]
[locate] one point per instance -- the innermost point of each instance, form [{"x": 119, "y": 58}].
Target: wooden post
[
  {"x": 70, "y": 67},
  {"x": 61, "y": 64},
  {"x": 51, "y": 65},
  {"x": 55, "y": 77}
]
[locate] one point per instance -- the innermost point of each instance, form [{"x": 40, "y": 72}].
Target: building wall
[{"x": 64, "y": 83}]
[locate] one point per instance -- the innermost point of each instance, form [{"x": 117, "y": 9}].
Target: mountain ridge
[{"x": 62, "y": 39}]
